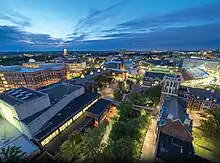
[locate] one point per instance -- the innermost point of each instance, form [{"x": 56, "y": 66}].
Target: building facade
[
  {"x": 35, "y": 75},
  {"x": 44, "y": 114}
]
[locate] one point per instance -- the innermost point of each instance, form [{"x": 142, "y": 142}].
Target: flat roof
[
  {"x": 99, "y": 107},
  {"x": 69, "y": 110},
  {"x": 20, "y": 95},
  {"x": 170, "y": 148},
  {"x": 58, "y": 90}
]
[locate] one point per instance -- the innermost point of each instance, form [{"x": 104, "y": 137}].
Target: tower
[
  {"x": 171, "y": 85},
  {"x": 65, "y": 52}
]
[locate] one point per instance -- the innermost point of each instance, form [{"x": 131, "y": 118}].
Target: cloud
[
  {"x": 185, "y": 38},
  {"x": 187, "y": 17},
  {"x": 99, "y": 15},
  {"x": 14, "y": 38},
  {"x": 16, "y": 19},
  {"x": 85, "y": 26}
]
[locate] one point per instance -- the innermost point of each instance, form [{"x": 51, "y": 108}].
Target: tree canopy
[
  {"x": 127, "y": 134},
  {"x": 210, "y": 126},
  {"x": 12, "y": 154}
]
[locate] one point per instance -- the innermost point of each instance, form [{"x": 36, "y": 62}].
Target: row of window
[
  {"x": 65, "y": 125},
  {"x": 49, "y": 138}
]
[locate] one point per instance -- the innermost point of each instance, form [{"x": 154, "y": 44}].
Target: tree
[
  {"x": 137, "y": 98},
  {"x": 92, "y": 141},
  {"x": 71, "y": 149},
  {"x": 153, "y": 94},
  {"x": 126, "y": 110},
  {"x": 118, "y": 95},
  {"x": 130, "y": 84},
  {"x": 119, "y": 150},
  {"x": 12, "y": 154},
  {"x": 121, "y": 86},
  {"x": 211, "y": 123}
]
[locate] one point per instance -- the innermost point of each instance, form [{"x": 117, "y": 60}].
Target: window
[{"x": 49, "y": 138}]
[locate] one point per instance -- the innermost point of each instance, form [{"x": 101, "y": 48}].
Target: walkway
[{"x": 148, "y": 149}]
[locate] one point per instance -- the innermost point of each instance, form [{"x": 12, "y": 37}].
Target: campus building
[
  {"x": 44, "y": 114},
  {"x": 200, "y": 99},
  {"x": 117, "y": 67},
  {"x": 153, "y": 78},
  {"x": 174, "y": 127},
  {"x": 35, "y": 75}
]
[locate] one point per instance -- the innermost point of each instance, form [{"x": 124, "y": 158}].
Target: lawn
[{"x": 202, "y": 146}]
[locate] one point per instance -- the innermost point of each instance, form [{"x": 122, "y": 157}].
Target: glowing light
[
  {"x": 91, "y": 73},
  {"x": 98, "y": 70},
  {"x": 82, "y": 76}
]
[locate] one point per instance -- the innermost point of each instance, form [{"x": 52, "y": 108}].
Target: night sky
[{"x": 109, "y": 24}]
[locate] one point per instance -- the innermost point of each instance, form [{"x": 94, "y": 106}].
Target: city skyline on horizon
[{"x": 109, "y": 25}]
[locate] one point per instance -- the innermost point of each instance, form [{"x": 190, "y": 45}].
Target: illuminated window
[{"x": 49, "y": 138}]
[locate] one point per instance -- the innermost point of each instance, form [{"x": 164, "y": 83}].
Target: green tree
[
  {"x": 12, "y": 154},
  {"x": 126, "y": 110},
  {"x": 119, "y": 150},
  {"x": 118, "y": 95},
  {"x": 154, "y": 94},
  {"x": 137, "y": 98},
  {"x": 211, "y": 123},
  {"x": 130, "y": 84},
  {"x": 71, "y": 149},
  {"x": 91, "y": 139}
]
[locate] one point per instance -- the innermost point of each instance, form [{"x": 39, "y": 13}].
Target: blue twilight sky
[{"x": 109, "y": 24}]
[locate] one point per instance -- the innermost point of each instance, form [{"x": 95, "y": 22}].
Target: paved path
[{"x": 149, "y": 143}]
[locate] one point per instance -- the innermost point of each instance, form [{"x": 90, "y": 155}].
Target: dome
[{"x": 31, "y": 60}]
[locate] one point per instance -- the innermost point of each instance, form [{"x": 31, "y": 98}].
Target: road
[{"x": 148, "y": 149}]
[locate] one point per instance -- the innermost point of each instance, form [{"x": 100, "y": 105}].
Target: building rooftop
[
  {"x": 58, "y": 90},
  {"x": 20, "y": 95},
  {"x": 154, "y": 75},
  {"x": 18, "y": 68},
  {"x": 29, "y": 119},
  {"x": 159, "y": 62},
  {"x": 175, "y": 107},
  {"x": 171, "y": 148},
  {"x": 195, "y": 73},
  {"x": 99, "y": 107},
  {"x": 204, "y": 94},
  {"x": 113, "y": 62},
  {"x": 69, "y": 110},
  {"x": 81, "y": 82}
]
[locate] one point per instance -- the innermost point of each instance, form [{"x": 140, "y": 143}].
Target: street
[{"x": 148, "y": 149}]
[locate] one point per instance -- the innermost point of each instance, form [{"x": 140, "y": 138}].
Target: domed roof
[{"x": 31, "y": 60}]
